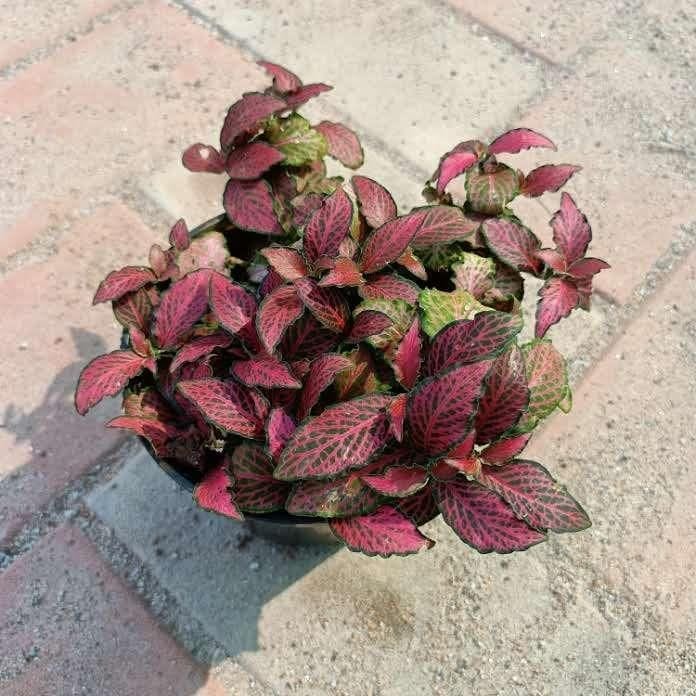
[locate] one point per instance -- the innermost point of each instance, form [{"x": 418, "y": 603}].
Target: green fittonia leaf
[
  {"x": 298, "y": 141},
  {"x": 439, "y": 308}
]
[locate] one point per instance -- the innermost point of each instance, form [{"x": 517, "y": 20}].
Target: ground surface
[{"x": 111, "y": 583}]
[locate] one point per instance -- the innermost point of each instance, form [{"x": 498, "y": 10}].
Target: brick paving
[{"x": 117, "y": 594}]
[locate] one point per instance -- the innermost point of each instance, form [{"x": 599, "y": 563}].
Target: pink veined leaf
[
  {"x": 286, "y": 261},
  {"x": 344, "y": 144},
  {"x": 344, "y": 274},
  {"x": 547, "y": 178},
  {"x": 179, "y": 236},
  {"x": 328, "y": 226},
  {"x": 557, "y": 299},
  {"x": 182, "y": 306},
  {"x": 328, "y": 305},
  {"x": 252, "y": 160},
  {"x": 139, "y": 342},
  {"x": 397, "y": 415},
  {"x": 553, "y": 260},
  {"x": 265, "y": 372},
  {"x": 442, "y": 224},
  {"x": 203, "y": 158},
  {"x": 107, "y": 375},
  {"x": 322, "y": 372},
  {"x": 156, "y": 432},
  {"x": 161, "y": 262},
  {"x": 535, "y": 496},
  {"x": 125, "y": 280},
  {"x": 586, "y": 267},
  {"x": 230, "y": 406},
  {"x": 385, "y": 532},
  {"x": 213, "y": 493},
  {"x": 249, "y": 205},
  {"x": 505, "y": 396},
  {"x": 456, "y": 162},
  {"x": 303, "y": 206},
  {"x": 341, "y": 438},
  {"x": 390, "y": 286},
  {"x": 482, "y": 519},
  {"x": 375, "y": 202},
  {"x": 407, "y": 359},
  {"x": 519, "y": 139},
  {"x": 199, "y": 348},
  {"x": 283, "y": 80},
  {"x": 307, "y": 338},
  {"x": 305, "y": 93},
  {"x": 571, "y": 231},
  {"x": 233, "y": 307},
  {"x": 277, "y": 312},
  {"x": 134, "y": 309},
  {"x": 270, "y": 282},
  {"x": 420, "y": 507},
  {"x": 463, "y": 449},
  {"x": 412, "y": 264},
  {"x": 368, "y": 323},
  {"x": 504, "y": 450},
  {"x": 245, "y": 116},
  {"x": 513, "y": 244},
  {"x": 388, "y": 242},
  {"x": 255, "y": 489},
  {"x": 441, "y": 409},
  {"x": 465, "y": 341},
  {"x": 279, "y": 427},
  {"x": 398, "y": 481}
]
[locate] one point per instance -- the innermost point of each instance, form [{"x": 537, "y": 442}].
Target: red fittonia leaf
[
  {"x": 553, "y": 260},
  {"x": 397, "y": 415},
  {"x": 255, "y": 489},
  {"x": 376, "y": 203},
  {"x": 390, "y": 286},
  {"x": 156, "y": 432},
  {"x": 265, "y": 372},
  {"x": 125, "y": 280},
  {"x": 453, "y": 163},
  {"x": 389, "y": 241},
  {"x": 305, "y": 93},
  {"x": 279, "y": 427},
  {"x": 440, "y": 409},
  {"x": 548, "y": 177},
  {"x": 328, "y": 305},
  {"x": 491, "y": 187},
  {"x": 252, "y": 160},
  {"x": 288, "y": 263},
  {"x": 283, "y": 80},
  {"x": 398, "y": 481},
  {"x": 228, "y": 405},
  {"x": 213, "y": 493},
  {"x": 344, "y": 144},
  {"x": 322, "y": 372},
  {"x": 134, "y": 309},
  {"x": 139, "y": 342},
  {"x": 307, "y": 338},
  {"x": 519, "y": 139},
  {"x": 584, "y": 268},
  {"x": 277, "y": 312},
  {"x": 482, "y": 519},
  {"x": 385, "y": 532},
  {"x": 557, "y": 299},
  {"x": 249, "y": 205},
  {"x": 480, "y": 338},
  {"x": 345, "y": 273},
  {"x": 199, "y": 348},
  {"x": 420, "y": 508},
  {"x": 368, "y": 323},
  {"x": 244, "y": 116},
  {"x": 504, "y": 398},
  {"x": 303, "y": 206},
  {"x": 179, "y": 236},
  {"x": 535, "y": 496},
  {"x": 107, "y": 375},
  {"x": 342, "y": 437},
  {"x": 442, "y": 224},
  {"x": 412, "y": 264},
  {"x": 571, "y": 231},
  {"x": 203, "y": 158},
  {"x": 233, "y": 306},
  {"x": 328, "y": 226},
  {"x": 513, "y": 244},
  {"x": 407, "y": 359},
  {"x": 504, "y": 450}
]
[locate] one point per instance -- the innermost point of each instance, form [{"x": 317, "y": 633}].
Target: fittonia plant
[{"x": 319, "y": 353}]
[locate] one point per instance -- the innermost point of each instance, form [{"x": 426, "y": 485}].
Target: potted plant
[{"x": 310, "y": 353}]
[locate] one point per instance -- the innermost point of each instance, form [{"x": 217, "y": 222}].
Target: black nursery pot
[{"x": 279, "y": 526}]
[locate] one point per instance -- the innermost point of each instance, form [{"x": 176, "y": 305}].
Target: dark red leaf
[
  {"x": 252, "y": 160},
  {"x": 213, "y": 493},
  {"x": 535, "y": 496},
  {"x": 328, "y": 305},
  {"x": 345, "y": 273},
  {"x": 385, "y": 532},
  {"x": 398, "y": 481},
  {"x": 368, "y": 323},
  {"x": 328, "y": 226},
  {"x": 244, "y": 116},
  {"x": 249, "y": 205},
  {"x": 407, "y": 359},
  {"x": 420, "y": 508},
  {"x": 443, "y": 224},
  {"x": 277, "y": 312},
  {"x": 307, "y": 338},
  {"x": 179, "y": 236},
  {"x": 503, "y": 450},
  {"x": 107, "y": 375},
  {"x": 203, "y": 158},
  {"x": 389, "y": 241},
  {"x": 571, "y": 231},
  {"x": 279, "y": 427},
  {"x": 270, "y": 281},
  {"x": 512, "y": 244},
  {"x": 125, "y": 280},
  {"x": 233, "y": 307},
  {"x": 519, "y": 139},
  {"x": 255, "y": 489},
  {"x": 482, "y": 519},
  {"x": 286, "y": 261},
  {"x": 265, "y": 372},
  {"x": 390, "y": 286},
  {"x": 453, "y": 163},
  {"x": 480, "y": 338},
  {"x": 305, "y": 93},
  {"x": 548, "y": 177},
  {"x": 303, "y": 206},
  {"x": 322, "y": 372},
  {"x": 586, "y": 267},
  {"x": 134, "y": 309},
  {"x": 344, "y": 144},
  {"x": 376, "y": 203},
  {"x": 283, "y": 80},
  {"x": 342, "y": 437},
  {"x": 199, "y": 348},
  {"x": 557, "y": 299}
]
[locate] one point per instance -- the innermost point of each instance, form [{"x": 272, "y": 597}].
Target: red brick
[
  {"x": 50, "y": 332},
  {"x": 69, "y": 626}
]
